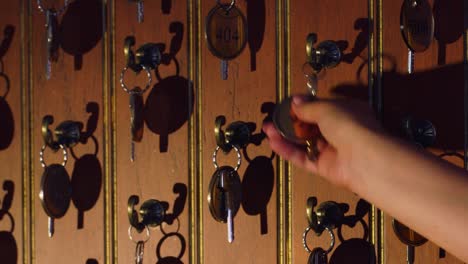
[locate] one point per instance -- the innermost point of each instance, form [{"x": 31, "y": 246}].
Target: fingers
[
  {"x": 286, "y": 150},
  {"x": 309, "y": 112}
]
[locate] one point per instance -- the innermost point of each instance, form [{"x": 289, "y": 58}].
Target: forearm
[{"x": 419, "y": 189}]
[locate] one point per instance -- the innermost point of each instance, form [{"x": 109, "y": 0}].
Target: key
[
  {"x": 410, "y": 61},
  {"x": 318, "y": 256},
  {"x": 136, "y": 119},
  {"x": 417, "y": 27},
  {"x": 226, "y": 34},
  {"x": 139, "y": 252},
  {"x": 140, "y": 11},
  {"x": 51, "y": 41},
  {"x": 225, "y": 197},
  {"x": 224, "y": 184},
  {"x": 50, "y": 226},
  {"x": 224, "y": 69}
]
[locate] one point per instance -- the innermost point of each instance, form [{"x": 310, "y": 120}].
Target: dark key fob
[{"x": 318, "y": 256}]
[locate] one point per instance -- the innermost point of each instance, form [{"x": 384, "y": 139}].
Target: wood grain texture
[
  {"x": 434, "y": 92},
  {"x": 11, "y": 177},
  {"x": 241, "y": 97},
  {"x": 338, "y": 21},
  {"x": 74, "y": 92},
  {"x": 161, "y": 167}
]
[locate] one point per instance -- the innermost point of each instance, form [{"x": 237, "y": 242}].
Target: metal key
[
  {"x": 226, "y": 33},
  {"x": 136, "y": 119},
  {"x": 224, "y": 184},
  {"x": 410, "y": 61},
  {"x": 139, "y": 252},
  {"x": 51, "y": 41},
  {"x": 318, "y": 256},
  {"x": 140, "y": 11},
  {"x": 224, "y": 69}
]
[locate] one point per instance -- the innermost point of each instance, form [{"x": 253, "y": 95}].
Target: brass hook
[
  {"x": 133, "y": 214},
  {"x": 68, "y": 133},
  {"x": 129, "y": 54},
  {"x": 219, "y": 134},
  {"x": 237, "y": 134},
  {"x": 328, "y": 215},
  {"x": 47, "y": 134},
  {"x": 151, "y": 211},
  {"x": 327, "y": 54}
]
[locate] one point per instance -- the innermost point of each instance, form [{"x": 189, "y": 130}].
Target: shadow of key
[
  {"x": 448, "y": 22},
  {"x": 81, "y": 28},
  {"x": 256, "y": 29},
  {"x": 8, "y": 246}
]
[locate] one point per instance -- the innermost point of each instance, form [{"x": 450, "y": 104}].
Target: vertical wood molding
[
  {"x": 26, "y": 133},
  {"x": 197, "y": 164},
  {"x": 109, "y": 134},
  {"x": 378, "y": 216},
  {"x": 195, "y": 133},
  {"x": 284, "y": 254}
]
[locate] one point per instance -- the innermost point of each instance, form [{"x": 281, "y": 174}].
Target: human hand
[{"x": 344, "y": 126}]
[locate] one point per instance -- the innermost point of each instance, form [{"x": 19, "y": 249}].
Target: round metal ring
[
  {"x": 226, "y": 7},
  {"x": 215, "y": 159},
  {"x": 136, "y": 241},
  {"x": 41, "y": 155},
  {"x": 41, "y": 8},
  {"x": 124, "y": 86},
  {"x": 164, "y": 232},
  {"x": 304, "y": 240}
]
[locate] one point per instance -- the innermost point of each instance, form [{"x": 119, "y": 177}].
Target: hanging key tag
[
  {"x": 56, "y": 190},
  {"x": 417, "y": 27},
  {"x": 226, "y": 33},
  {"x": 136, "y": 109},
  {"x": 225, "y": 193}
]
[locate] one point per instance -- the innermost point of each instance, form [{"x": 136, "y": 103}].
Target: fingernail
[{"x": 298, "y": 99}]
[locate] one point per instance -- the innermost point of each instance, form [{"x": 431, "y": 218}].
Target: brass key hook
[
  {"x": 147, "y": 56},
  {"x": 328, "y": 215},
  {"x": 327, "y": 54},
  {"x": 68, "y": 133},
  {"x": 237, "y": 134},
  {"x": 152, "y": 212}
]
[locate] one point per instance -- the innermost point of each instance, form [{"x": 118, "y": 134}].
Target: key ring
[
  {"x": 139, "y": 251},
  {"x": 124, "y": 86},
  {"x": 55, "y": 13},
  {"x": 304, "y": 239},
  {"x": 41, "y": 155},
  {"x": 226, "y": 7},
  {"x": 164, "y": 232},
  {"x": 131, "y": 236},
  {"x": 239, "y": 158}
]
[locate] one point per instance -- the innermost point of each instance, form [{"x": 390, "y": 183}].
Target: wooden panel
[
  {"x": 74, "y": 92},
  {"x": 242, "y": 97},
  {"x": 434, "y": 92},
  {"x": 160, "y": 170},
  {"x": 11, "y": 177},
  {"x": 345, "y": 22}
]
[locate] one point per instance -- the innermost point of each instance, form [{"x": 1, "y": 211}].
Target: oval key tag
[
  {"x": 226, "y": 31},
  {"x": 407, "y": 235},
  {"x": 55, "y": 191},
  {"x": 217, "y": 193},
  {"x": 417, "y": 24}
]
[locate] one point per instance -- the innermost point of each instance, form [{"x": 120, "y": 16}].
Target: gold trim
[
  {"x": 26, "y": 135},
  {"x": 30, "y": 166},
  {"x": 109, "y": 136},
  {"x": 287, "y": 177},
  {"x": 283, "y": 242},
  {"x": 193, "y": 143},
  {"x": 199, "y": 135}
]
